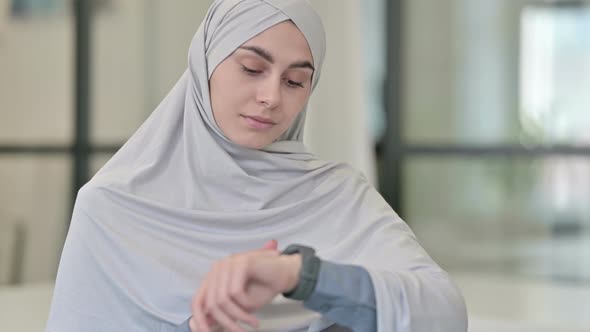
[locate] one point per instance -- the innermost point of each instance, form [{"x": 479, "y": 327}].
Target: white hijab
[{"x": 179, "y": 195}]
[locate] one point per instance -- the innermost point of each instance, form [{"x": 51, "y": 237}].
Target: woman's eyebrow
[
  {"x": 268, "y": 57},
  {"x": 302, "y": 64}
]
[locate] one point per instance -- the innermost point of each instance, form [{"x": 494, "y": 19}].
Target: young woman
[{"x": 180, "y": 230}]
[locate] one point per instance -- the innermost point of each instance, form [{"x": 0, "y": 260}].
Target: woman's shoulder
[
  {"x": 344, "y": 176},
  {"x": 346, "y": 171}
]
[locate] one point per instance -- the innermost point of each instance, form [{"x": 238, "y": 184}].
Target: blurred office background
[{"x": 471, "y": 116}]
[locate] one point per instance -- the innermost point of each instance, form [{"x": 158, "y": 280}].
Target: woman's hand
[{"x": 239, "y": 285}]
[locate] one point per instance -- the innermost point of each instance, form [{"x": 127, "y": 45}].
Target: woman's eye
[
  {"x": 295, "y": 84},
  {"x": 250, "y": 71}
]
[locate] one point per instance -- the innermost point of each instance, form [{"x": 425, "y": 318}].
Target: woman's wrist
[
  {"x": 307, "y": 271},
  {"x": 293, "y": 267}
]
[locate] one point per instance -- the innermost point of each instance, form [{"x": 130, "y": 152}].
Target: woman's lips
[{"x": 256, "y": 122}]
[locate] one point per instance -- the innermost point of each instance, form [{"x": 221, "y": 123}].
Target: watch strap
[{"x": 308, "y": 275}]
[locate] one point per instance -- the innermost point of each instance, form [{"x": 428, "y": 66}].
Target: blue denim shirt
[{"x": 344, "y": 294}]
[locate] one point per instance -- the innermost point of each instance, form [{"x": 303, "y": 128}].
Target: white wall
[{"x": 337, "y": 127}]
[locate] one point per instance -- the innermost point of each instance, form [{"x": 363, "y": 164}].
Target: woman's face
[{"x": 257, "y": 92}]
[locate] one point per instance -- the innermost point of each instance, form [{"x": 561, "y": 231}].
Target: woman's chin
[{"x": 255, "y": 144}]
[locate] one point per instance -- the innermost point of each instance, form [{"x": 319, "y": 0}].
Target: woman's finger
[
  {"x": 213, "y": 304},
  {"x": 226, "y": 323},
  {"x": 203, "y": 323},
  {"x": 224, "y": 295},
  {"x": 198, "y": 308},
  {"x": 238, "y": 283},
  {"x": 204, "y": 319},
  {"x": 272, "y": 245}
]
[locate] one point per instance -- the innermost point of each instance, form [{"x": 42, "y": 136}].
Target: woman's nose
[{"x": 269, "y": 93}]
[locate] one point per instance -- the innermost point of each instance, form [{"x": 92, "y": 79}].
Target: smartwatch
[{"x": 308, "y": 276}]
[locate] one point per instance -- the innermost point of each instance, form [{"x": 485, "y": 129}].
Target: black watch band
[{"x": 308, "y": 276}]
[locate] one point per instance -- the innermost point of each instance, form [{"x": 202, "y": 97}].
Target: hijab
[{"x": 179, "y": 195}]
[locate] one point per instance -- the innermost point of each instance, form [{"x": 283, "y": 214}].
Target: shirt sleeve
[{"x": 345, "y": 295}]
